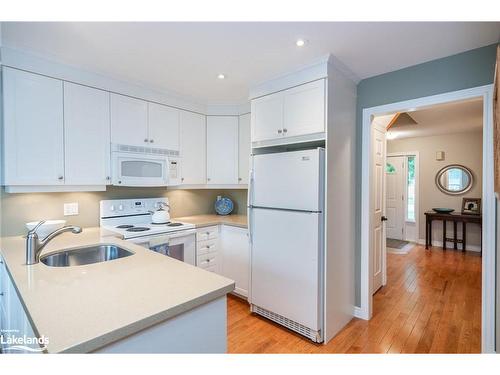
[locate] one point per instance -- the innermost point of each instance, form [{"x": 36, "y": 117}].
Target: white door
[
  {"x": 289, "y": 180},
  {"x": 244, "y": 148},
  {"x": 304, "y": 109},
  {"x": 267, "y": 117},
  {"x": 86, "y": 135},
  {"x": 235, "y": 254},
  {"x": 129, "y": 121},
  {"x": 395, "y": 177},
  {"x": 285, "y": 266},
  {"x": 378, "y": 237},
  {"x": 163, "y": 126},
  {"x": 193, "y": 148},
  {"x": 33, "y": 129},
  {"x": 222, "y": 149}
]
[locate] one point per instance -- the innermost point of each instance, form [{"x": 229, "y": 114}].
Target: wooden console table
[{"x": 455, "y": 217}]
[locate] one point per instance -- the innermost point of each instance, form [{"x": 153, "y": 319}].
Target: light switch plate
[{"x": 70, "y": 209}]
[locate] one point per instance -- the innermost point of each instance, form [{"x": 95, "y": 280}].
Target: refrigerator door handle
[{"x": 250, "y": 234}]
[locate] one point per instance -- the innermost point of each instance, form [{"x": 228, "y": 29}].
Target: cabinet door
[
  {"x": 129, "y": 121},
  {"x": 304, "y": 109},
  {"x": 163, "y": 126},
  {"x": 244, "y": 148},
  {"x": 33, "y": 129},
  {"x": 222, "y": 149},
  {"x": 267, "y": 117},
  {"x": 193, "y": 148},
  {"x": 86, "y": 135},
  {"x": 235, "y": 261}
]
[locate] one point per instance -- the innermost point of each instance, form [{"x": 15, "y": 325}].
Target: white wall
[{"x": 459, "y": 148}]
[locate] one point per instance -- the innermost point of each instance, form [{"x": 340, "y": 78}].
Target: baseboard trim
[
  {"x": 359, "y": 313},
  {"x": 440, "y": 244}
]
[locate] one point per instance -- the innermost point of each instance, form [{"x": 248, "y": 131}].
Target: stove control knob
[
  {"x": 112, "y": 207},
  {"x": 120, "y": 207}
]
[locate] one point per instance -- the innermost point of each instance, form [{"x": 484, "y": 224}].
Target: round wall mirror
[{"x": 454, "y": 179}]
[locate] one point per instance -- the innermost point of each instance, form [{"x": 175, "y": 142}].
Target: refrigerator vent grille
[{"x": 288, "y": 323}]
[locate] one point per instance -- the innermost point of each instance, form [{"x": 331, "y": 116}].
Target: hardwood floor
[{"x": 431, "y": 304}]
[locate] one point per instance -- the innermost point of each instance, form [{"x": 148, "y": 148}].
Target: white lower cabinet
[
  {"x": 13, "y": 319},
  {"x": 207, "y": 246},
  {"x": 225, "y": 249},
  {"x": 235, "y": 257}
]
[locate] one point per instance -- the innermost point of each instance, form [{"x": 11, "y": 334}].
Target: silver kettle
[{"x": 162, "y": 214}]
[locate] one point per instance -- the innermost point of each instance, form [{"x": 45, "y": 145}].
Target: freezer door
[
  {"x": 286, "y": 258},
  {"x": 289, "y": 180}
]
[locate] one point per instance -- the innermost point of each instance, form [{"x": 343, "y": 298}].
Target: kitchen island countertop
[{"x": 84, "y": 308}]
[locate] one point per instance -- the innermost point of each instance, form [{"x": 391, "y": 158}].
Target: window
[{"x": 410, "y": 186}]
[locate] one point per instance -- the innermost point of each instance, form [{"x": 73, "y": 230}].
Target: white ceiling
[
  {"x": 186, "y": 57},
  {"x": 455, "y": 117}
]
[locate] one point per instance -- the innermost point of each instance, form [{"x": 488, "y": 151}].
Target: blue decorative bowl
[
  {"x": 440, "y": 210},
  {"x": 224, "y": 206}
]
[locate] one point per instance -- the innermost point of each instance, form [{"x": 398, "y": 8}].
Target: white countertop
[
  {"x": 207, "y": 220},
  {"x": 83, "y": 308}
]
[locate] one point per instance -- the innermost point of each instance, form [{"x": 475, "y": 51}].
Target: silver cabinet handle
[
  {"x": 239, "y": 178},
  {"x": 208, "y": 179},
  {"x": 151, "y": 140},
  {"x": 279, "y": 131},
  {"x": 284, "y": 130},
  {"x": 60, "y": 178},
  {"x": 146, "y": 140},
  {"x": 119, "y": 182},
  {"x": 182, "y": 178},
  {"x": 108, "y": 178}
]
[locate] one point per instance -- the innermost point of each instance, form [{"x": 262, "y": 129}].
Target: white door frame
[
  {"x": 417, "y": 191},
  {"x": 489, "y": 202}
]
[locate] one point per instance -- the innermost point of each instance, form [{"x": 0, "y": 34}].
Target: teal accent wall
[{"x": 465, "y": 70}]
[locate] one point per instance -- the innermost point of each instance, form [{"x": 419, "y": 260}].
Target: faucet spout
[{"x": 34, "y": 245}]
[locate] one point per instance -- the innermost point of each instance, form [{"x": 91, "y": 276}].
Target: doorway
[{"x": 370, "y": 201}]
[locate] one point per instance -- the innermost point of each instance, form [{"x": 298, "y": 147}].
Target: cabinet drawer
[
  {"x": 209, "y": 257},
  {"x": 207, "y": 260},
  {"x": 207, "y": 246},
  {"x": 207, "y": 233}
]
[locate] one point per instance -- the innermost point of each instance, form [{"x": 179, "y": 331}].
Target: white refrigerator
[{"x": 286, "y": 226}]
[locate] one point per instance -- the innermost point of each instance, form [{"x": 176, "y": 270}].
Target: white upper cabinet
[
  {"x": 222, "y": 149},
  {"x": 193, "y": 148},
  {"x": 304, "y": 109},
  {"x": 86, "y": 135},
  {"x": 244, "y": 148},
  {"x": 33, "y": 129},
  {"x": 163, "y": 126},
  {"x": 267, "y": 117},
  {"x": 129, "y": 121},
  {"x": 299, "y": 111}
]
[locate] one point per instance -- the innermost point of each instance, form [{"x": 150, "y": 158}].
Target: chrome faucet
[{"x": 34, "y": 245}]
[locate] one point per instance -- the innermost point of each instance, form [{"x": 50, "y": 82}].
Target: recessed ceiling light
[
  {"x": 221, "y": 76},
  {"x": 300, "y": 42}
]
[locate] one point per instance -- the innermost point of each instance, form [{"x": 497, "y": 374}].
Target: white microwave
[{"x": 139, "y": 166}]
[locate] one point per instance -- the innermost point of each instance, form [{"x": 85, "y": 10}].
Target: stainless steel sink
[{"x": 85, "y": 255}]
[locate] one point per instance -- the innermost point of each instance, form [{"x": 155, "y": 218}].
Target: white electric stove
[{"x": 131, "y": 219}]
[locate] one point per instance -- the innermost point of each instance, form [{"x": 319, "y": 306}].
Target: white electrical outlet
[{"x": 70, "y": 209}]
